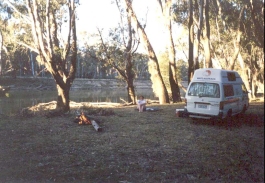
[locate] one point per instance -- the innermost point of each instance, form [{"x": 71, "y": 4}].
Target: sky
[
  {"x": 103, "y": 14},
  {"x": 96, "y": 13}
]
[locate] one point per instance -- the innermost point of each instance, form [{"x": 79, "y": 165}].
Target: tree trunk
[
  {"x": 244, "y": 72},
  {"x": 206, "y": 39},
  {"x": 129, "y": 74},
  {"x": 125, "y": 69},
  {"x": 158, "y": 83},
  {"x": 196, "y": 54},
  {"x": 197, "y": 41},
  {"x": 32, "y": 63},
  {"x": 207, "y": 52},
  {"x": 47, "y": 46},
  {"x": 173, "y": 80},
  {"x": 131, "y": 91},
  {"x": 258, "y": 28},
  {"x": 236, "y": 51},
  {"x": 191, "y": 40},
  {"x": 1, "y": 46},
  {"x": 63, "y": 99},
  {"x": 237, "y": 41},
  {"x": 154, "y": 66}
]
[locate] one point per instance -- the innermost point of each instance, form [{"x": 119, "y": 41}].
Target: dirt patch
[{"x": 132, "y": 147}]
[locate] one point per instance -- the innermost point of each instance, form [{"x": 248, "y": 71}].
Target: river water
[{"x": 15, "y": 100}]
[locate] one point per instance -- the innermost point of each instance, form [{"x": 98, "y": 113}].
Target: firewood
[
  {"x": 84, "y": 120},
  {"x": 96, "y": 126}
]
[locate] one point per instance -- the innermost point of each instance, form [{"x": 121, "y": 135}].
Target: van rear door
[{"x": 203, "y": 98}]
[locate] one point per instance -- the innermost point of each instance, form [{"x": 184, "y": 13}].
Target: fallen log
[
  {"x": 85, "y": 120},
  {"x": 96, "y": 126}
]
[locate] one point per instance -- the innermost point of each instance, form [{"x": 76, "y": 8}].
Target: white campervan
[{"x": 216, "y": 93}]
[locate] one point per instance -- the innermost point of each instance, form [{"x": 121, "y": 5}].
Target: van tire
[
  {"x": 240, "y": 115},
  {"x": 244, "y": 109}
]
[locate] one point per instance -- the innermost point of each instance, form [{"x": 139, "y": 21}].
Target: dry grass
[{"x": 133, "y": 147}]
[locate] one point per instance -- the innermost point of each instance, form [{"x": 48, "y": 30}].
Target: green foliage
[
  {"x": 180, "y": 12},
  {"x": 182, "y": 70},
  {"x": 15, "y": 58},
  {"x": 96, "y": 57},
  {"x": 224, "y": 25},
  {"x": 141, "y": 66}
]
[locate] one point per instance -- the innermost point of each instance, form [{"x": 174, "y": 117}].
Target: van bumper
[{"x": 204, "y": 116}]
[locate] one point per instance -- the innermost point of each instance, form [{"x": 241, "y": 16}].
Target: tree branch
[
  {"x": 17, "y": 11},
  {"x": 29, "y": 47}
]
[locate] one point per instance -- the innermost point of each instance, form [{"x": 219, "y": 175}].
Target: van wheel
[
  {"x": 244, "y": 109},
  {"x": 241, "y": 114}
]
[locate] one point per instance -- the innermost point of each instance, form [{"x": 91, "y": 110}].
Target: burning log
[{"x": 84, "y": 120}]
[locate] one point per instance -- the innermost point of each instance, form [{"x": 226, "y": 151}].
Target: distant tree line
[{"x": 23, "y": 63}]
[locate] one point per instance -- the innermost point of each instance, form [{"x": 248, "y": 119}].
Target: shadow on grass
[{"x": 252, "y": 120}]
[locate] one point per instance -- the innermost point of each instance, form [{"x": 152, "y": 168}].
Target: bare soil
[{"x": 132, "y": 147}]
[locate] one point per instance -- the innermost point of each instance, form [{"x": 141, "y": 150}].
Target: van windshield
[{"x": 211, "y": 90}]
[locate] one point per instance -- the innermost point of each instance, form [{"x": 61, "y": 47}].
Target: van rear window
[{"x": 211, "y": 90}]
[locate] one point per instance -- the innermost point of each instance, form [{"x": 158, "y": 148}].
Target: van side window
[
  {"x": 238, "y": 89},
  {"x": 228, "y": 90}
]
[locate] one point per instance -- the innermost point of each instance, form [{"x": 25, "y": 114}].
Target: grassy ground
[{"x": 133, "y": 147}]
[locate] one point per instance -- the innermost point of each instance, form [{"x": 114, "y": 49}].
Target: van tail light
[
  {"x": 185, "y": 100},
  {"x": 221, "y": 105}
]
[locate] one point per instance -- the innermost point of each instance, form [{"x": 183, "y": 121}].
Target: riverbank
[{"x": 79, "y": 83}]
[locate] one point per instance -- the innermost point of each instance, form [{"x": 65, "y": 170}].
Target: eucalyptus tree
[
  {"x": 9, "y": 61},
  {"x": 236, "y": 32},
  {"x": 191, "y": 41},
  {"x": 186, "y": 14},
  {"x": 112, "y": 55},
  {"x": 58, "y": 57},
  {"x": 240, "y": 39},
  {"x": 165, "y": 6},
  {"x": 206, "y": 36},
  {"x": 9, "y": 31},
  {"x": 196, "y": 16},
  {"x": 228, "y": 32},
  {"x": 119, "y": 52},
  {"x": 154, "y": 69},
  {"x": 251, "y": 56},
  {"x": 1, "y": 47},
  {"x": 201, "y": 25}
]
